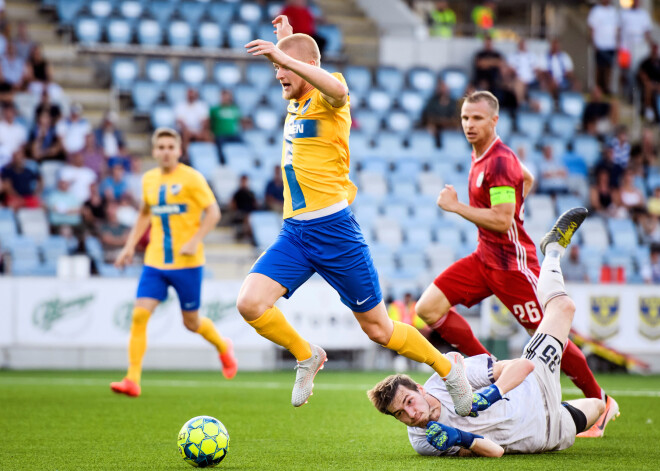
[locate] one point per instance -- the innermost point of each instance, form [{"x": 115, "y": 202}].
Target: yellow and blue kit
[
  {"x": 176, "y": 201},
  {"x": 315, "y": 170}
]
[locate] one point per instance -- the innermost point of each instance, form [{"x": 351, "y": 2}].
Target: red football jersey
[{"x": 513, "y": 250}]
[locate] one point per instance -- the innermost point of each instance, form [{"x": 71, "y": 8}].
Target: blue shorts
[
  {"x": 187, "y": 283},
  {"x": 332, "y": 246}
]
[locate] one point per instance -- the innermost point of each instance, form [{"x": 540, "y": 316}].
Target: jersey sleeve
[
  {"x": 202, "y": 194},
  {"x": 504, "y": 170},
  {"x": 479, "y": 371},
  {"x": 417, "y": 437},
  {"x": 324, "y": 103}
]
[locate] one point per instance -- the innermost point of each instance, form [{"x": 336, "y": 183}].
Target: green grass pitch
[{"x": 69, "y": 420}]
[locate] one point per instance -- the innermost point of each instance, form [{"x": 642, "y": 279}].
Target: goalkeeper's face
[{"x": 411, "y": 407}]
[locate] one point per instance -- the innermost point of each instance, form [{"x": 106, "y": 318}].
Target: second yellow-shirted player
[{"x": 181, "y": 208}]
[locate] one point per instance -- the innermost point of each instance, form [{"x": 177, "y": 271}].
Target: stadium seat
[
  {"x": 144, "y": 94},
  {"x": 222, "y": 12},
  {"x": 193, "y": 73},
  {"x": 516, "y": 141},
  {"x": 539, "y": 208},
  {"x": 224, "y": 182},
  {"x": 162, "y": 115},
  {"x": 209, "y": 35},
  {"x": 505, "y": 126},
  {"x": 566, "y": 202},
  {"x": 131, "y": 9},
  {"x": 389, "y": 79},
  {"x": 239, "y": 157},
  {"x": 430, "y": 184},
  {"x": 388, "y": 232},
  {"x": 417, "y": 236},
  {"x": 421, "y": 145},
  {"x": 24, "y": 256},
  {"x": 261, "y": 75},
  {"x": 383, "y": 259},
  {"x": 179, "y": 33},
  {"x": 563, "y": 125},
  {"x": 33, "y": 223},
  {"x": 575, "y": 164},
  {"x": 267, "y": 119},
  {"x": 274, "y": 98},
  {"x": 175, "y": 93},
  {"x": 456, "y": 80},
  {"x": 440, "y": 256},
  {"x": 368, "y": 121},
  {"x": 124, "y": 72},
  {"x": 587, "y": 147},
  {"x": 161, "y": 10},
  {"x": 8, "y": 226},
  {"x": 120, "y": 31},
  {"x": 407, "y": 169},
  {"x": 358, "y": 79},
  {"x": 411, "y": 258},
  {"x": 100, "y": 8},
  {"x": 404, "y": 190},
  {"x": 413, "y": 103},
  {"x": 239, "y": 35},
  {"x": 49, "y": 171},
  {"x": 53, "y": 248},
  {"x": 454, "y": 143},
  {"x": 204, "y": 157},
  {"x": 544, "y": 101},
  {"x": 210, "y": 93},
  {"x": 594, "y": 233},
  {"x": 374, "y": 164},
  {"x": 557, "y": 144},
  {"x": 448, "y": 235},
  {"x": 158, "y": 71},
  {"x": 530, "y": 124},
  {"x": 373, "y": 184},
  {"x": 247, "y": 98},
  {"x": 399, "y": 122},
  {"x": 266, "y": 31},
  {"x": 88, "y": 30},
  {"x": 68, "y": 10},
  {"x": 266, "y": 226},
  {"x": 423, "y": 80},
  {"x": 249, "y": 13},
  {"x": 623, "y": 233},
  {"x": 388, "y": 145},
  {"x": 192, "y": 11},
  {"x": 572, "y": 104},
  {"x": 379, "y": 101},
  {"x": 333, "y": 37},
  {"x": 227, "y": 74},
  {"x": 395, "y": 210},
  {"x": 149, "y": 32}
]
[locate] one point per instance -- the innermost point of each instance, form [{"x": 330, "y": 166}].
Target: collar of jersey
[{"x": 497, "y": 138}]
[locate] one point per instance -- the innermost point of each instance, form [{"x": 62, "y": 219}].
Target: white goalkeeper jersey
[{"x": 519, "y": 424}]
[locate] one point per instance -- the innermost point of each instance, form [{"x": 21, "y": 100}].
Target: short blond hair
[
  {"x": 382, "y": 395},
  {"x": 484, "y": 95},
  {"x": 304, "y": 44},
  {"x": 165, "y": 132}
]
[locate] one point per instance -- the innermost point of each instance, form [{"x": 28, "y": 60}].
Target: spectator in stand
[
  {"x": 653, "y": 205},
  {"x": 632, "y": 198},
  {"x": 603, "y": 196},
  {"x": 488, "y": 66},
  {"x": 73, "y": 130},
  {"x": 243, "y": 203},
  {"x": 649, "y": 149},
  {"x": 45, "y": 144},
  {"x": 93, "y": 157},
  {"x": 649, "y": 78},
  {"x": 225, "y": 120},
  {"x": 275, "y": 191},
  {"x": 655, "y": 265},
  {"x": 621, "y": 146},
  {"x": 442, "y": 20},
  {"x": 192, "y": 118},
  {"x": 525, "y": 65},
  {"x": 108, "y": 137},
  {"x": 600, "y": 114},
  {"x": 573, "y": 268},
  {"x": 112, "y": 233},
  {"x": 604, "y": 27},
  {"x": 114, "y": 186},
  {"x": 39, "y": 75},
  {"x": 441, "y": 110},
  {"x": 94, "y": 210},
  {"x": 301, "y": 18},
  {"x": 22, "y": 41},
  {"x": 127, "y": 212},
  {"x": 64, "y": 208},
  {"x": 557, "y": 66},
  {"x": 6, "y": 89},
  {"x": 13, "y": 67},
  {"x": 45, "y": 104},
  {"x": 12, "y": 134},
  {"x": 483, "y": 17},
  {"x": 553, "y": 174},
  {"x": 79, "y": 177},
  {"x": 649, "y": 228},
  {"x": 636, "y": 28},
  {"x": 21, "y": 183},
  {"x": 607, "y": 163}
]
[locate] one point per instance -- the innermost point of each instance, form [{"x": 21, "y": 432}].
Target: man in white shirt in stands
[
  {"x": 12, "y": 134},
  {"x": 558, "y": 68},
  {"x": 74, "y": 130},
  {"x": 192, "y": 119},
  {"x": 525, "y": 64},
  {"x": 532, "y": 418},
  {"x": 604, "y": 26},
  {"x": 636, "y": 27},
  {"x": 79, "y": 177}
]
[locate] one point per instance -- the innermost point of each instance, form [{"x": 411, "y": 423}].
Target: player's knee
[
  {"x": 191, "y": 324},
  {"x": 248, "y": 306},
  {"x": 565, "y": 306},
  {"x": 377, "y": 333},
  {"x": 429, "y": 312}
]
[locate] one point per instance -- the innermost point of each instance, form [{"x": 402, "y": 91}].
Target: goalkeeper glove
[
  {"x": 442, "y": 437},
  {"x": 484, "y": 399}
]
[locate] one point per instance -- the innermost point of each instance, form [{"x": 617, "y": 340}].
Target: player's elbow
[
  {"x": 527, "y": 366},
  {"x": 504, "y": 224}
]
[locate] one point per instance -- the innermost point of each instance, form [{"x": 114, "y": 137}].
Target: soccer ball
[{"x": 203, "y": 441}]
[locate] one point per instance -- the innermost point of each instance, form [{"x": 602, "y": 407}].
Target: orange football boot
[
  {"x": 229, "y": 363},
  {"x": 126, "y": 386}
]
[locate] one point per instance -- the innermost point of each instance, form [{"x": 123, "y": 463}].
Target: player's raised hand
[
  {"x": 448, "y": 199},
  {"x": 125, "y": 257},
  {"x": 259, "y": 47},
  {"x": 282, "y": 27},
  {"x": 189, "y": 248}
]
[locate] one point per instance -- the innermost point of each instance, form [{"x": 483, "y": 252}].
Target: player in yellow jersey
[
  {"x": 174, "y": 197},
  {"x": 319, "y": 233}
]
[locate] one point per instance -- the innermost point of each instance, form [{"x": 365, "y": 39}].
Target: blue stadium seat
[
  {"x": 50, "y": 174},
  {"x": 563, "y": 125},
  {"x": 360, "y": 145},
  {"x": 175, "y": 93},
  {"x": 179, "y": 33},
  {"x": 204, "y": 157},
  {"x": 516, "y": 141},
  {"x": 375, "y": 164},
  {"x": 266, "y": 226},
  {"x": 260, "y": 74},
  {"x": 404, "y": 190},
  {"x": 413, "y": 103},
  {"x": 274, "y": 96},
  {"x": 256, "y": 138},
  {"x": 652, "y": 181},
  {"x": 575, "y": 164},
  {"x": 389, "y": 79},
  {"x": 120, "y": 31},
  {"x": 149, "y": 32},
  {"x": 388, "y": 145},
  {"x": 267, "y": 119},
  {"x": 273, "y": 9},
  {"x": 456, "y": 80},
  {"x": 395, "y": 209},
  {"x": 161, "y": 10},
  {"x": 587, "y": 147},
  {"x": 158, "y": 71},
  {"x": 407, "y": 168},
  {"x": 448, "y": 235},
  {"x": 369, "y": 122},
  {"x": 358, "y": 78},
  {"x": 210, "y": 93},
  {"x": 192, "y": 72},
  {"x": 227, "y": 74},
  {"x": 54, "y": 247},
  {"x": 249, "y": 13},
  {"x": 572, "y": 104},
  {"x": 124, "y": 71},
  {"x": 421, "y": 145},
  {"x": 162, "y": 115},
  {"x": 33, "y": 222},
  {"x": 68, "y": 10},
  {"x": 24, "y": 256},
  {"x": 100, "y": 8},
  {"x": 454, "y": 143},
  {"x": 192, "y": 12},
  {"x": 412, "y": 259},
  {"x": 8, "y": 226},
  {"x": 423, "y": 80},
  {"x": 417, "y": 236},
  {"x": 88, "y": 30},
  {"x": 504, "y": 125},
  {"x": 131, "y": 9},
  {"x": 246, "y": 98},
  {"x": 239, "y": 35},
  {"x": 222, "y": 12},
  {"x": 530, "y": 124},
  {"x": 333, "y": 37},
  {"x": 379, "y": 101},
  {"x": 239, "y": 157},
  {"x": 623, "y": 233},
  {"x": 266, "y": 32},
  {"x": 399, "y": 122},
  {"x": 544, "y": 101},
  {"x": 145, "y": 94},
  {"x": 557, "y": 144},
  {"x": 566, "y": 202},
  {"x": 209, "y": 35}
]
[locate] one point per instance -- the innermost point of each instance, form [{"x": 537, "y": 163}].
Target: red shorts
[{"x": 468, "y": 281}]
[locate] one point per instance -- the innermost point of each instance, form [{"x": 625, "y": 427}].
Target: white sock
[{"x": 551, "y": 280}]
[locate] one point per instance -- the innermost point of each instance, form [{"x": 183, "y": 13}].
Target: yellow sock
[
  {"x": 210, "y": 334},
  {"x": 407, "y": 341},
  {"x": 273, "y": 325},
  {"x": 137, "y": 343}
]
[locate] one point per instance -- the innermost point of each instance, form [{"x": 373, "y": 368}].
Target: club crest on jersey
[
  {"x": 649, "y": 317},
  {"x": 176, "y": 188},
  {"x": 480, "y": 179},
  {"x": 604, "y": 316}
]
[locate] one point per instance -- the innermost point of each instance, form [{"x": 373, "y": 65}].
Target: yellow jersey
[
  {"x": 315, "y": 155},
  {"x": 176, "y": 201}
]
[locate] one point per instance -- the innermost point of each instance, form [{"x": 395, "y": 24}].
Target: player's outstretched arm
[
  {"x": 209, "y": 221},
  {"x": 282, "y": 27},
  {"x": 508, "y": 375},
  {"x": 137, "y": 231},
  {"x": 442, "y": 437},
  {"x": 498, "y": 218},
  {"x": 330, "y": 87}
]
